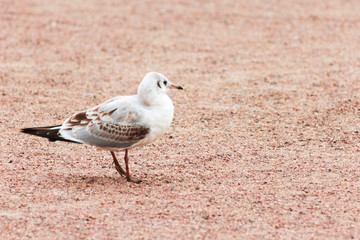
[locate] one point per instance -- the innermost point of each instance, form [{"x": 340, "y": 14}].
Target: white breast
[{"x": 158, "y": 118}]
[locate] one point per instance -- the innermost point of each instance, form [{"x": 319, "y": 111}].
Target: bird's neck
[{"x": 152, "y": 98}]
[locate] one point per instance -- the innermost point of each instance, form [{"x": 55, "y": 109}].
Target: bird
[{"x": 120, "y": 123}]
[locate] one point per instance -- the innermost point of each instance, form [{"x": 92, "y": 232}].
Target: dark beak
[{"x": 176, "y": 87}]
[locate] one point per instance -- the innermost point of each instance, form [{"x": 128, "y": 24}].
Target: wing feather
[{"x": 113, "y": 124}]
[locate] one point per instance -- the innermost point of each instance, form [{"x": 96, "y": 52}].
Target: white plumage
[{"x": 121, "y": 123}]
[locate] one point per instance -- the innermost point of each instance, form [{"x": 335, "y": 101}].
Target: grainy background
[{"x": 265, "y": 143}]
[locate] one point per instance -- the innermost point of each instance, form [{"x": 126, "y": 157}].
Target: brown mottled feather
[{"x": 118, "y": 132}]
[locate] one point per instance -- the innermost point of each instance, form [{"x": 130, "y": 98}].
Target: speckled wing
[{"x": 113, "y": 124}]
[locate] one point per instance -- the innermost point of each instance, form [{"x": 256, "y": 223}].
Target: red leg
[
  {"x": 129, "y": 179},
  {"x": 117, "y": 165}
]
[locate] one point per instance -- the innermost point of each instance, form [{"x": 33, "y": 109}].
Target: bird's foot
[{"x": 129, "y": 179}]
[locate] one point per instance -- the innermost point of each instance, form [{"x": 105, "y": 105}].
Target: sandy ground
[{"x": 265, "y": 143}]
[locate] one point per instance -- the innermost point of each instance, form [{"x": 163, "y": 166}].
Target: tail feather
[{"x": 50, "y": 132}]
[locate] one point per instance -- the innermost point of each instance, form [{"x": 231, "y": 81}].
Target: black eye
[{"x": 165, "y": 82}]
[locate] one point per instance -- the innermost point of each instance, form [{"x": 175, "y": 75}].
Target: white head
[{"x": 153, "y": 86}]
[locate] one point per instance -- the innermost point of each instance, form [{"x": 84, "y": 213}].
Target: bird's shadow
[{"x": 81, "y": 181}]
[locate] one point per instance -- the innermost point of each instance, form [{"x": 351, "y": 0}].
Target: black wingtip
[
  {"x": 46, "y": 132},
  {"x": 26, "y": 130},
  {"x": 29, "y": 130}
]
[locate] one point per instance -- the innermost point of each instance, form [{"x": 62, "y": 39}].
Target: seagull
[{"x": 121, "y": 123}]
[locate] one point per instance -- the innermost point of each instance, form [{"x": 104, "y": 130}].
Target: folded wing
[{"x": 113, "y": 124}]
